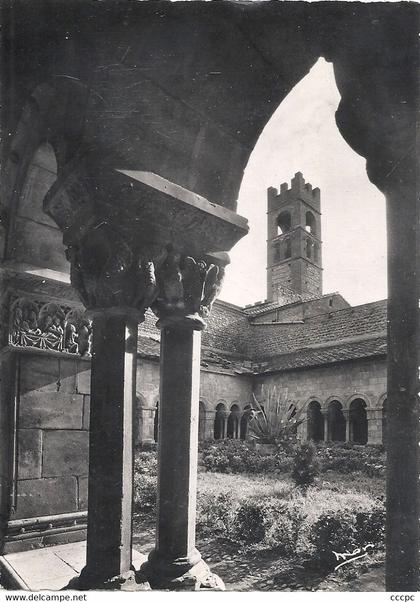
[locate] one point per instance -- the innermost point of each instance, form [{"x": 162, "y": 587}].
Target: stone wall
[
  {"x": 215, "y": 387},
  {"x": 48, "y": 408},
  {"x": 344, "y": 382}
]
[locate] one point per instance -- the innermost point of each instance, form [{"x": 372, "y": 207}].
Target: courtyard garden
[{"x": 274, "y": 517}]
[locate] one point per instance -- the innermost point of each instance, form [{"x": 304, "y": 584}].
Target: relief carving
[
  {"x": 78, "y": 333},
  {"x": 106, "y": 272},
  {"x": 186, "y": 287},
  {"x": 49, "y": 326}
]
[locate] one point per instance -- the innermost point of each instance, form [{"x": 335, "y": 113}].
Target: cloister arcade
[
  {"x": 331, "y": 421},
  {"x": 339, "y": 421}
]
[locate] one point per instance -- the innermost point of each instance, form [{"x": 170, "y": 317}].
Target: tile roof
[
  {"x": 233, "y": 342},
  {"x": 269, "y": 340},
  {"x": 288, "y": 298},
  {"x": 305, "y": 358}
]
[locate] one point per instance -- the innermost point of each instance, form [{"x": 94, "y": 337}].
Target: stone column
[
  {"x": 210, "y": 416},
  {"x": 326, "y": 429},
  {"x": 176, "y": 563},
  {"x": 374, "y": 420},
  {"x": 349, "y": 434},
  {"x": 389, "y": 143},
  {"x": 225, "y": 423},
  {"x": 403, "y": 411},
  {"x": 116, "y": 296},
  {"x": 113, "y": 387}
]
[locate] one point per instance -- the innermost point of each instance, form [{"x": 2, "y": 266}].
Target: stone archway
[
  {"x": 336, "y": 422},
  {"x": 315, "y": 425},
  {"x": 220, "y": 421},
  {"x": 233, "y": 422},
  {"x": 358, "y": 421}
]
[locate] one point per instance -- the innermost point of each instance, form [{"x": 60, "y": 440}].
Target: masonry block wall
[
  {"x": 364, "y": 379},
  {"x": 48, "y": 421},
  {"x": 216, "y": 386}
]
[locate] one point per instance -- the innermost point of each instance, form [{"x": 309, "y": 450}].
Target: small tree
[
  {"x": 274, "y": 421},
  {"x": 306, "y": 465}
]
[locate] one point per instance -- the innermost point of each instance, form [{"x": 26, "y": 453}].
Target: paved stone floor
[{"x": 48, "y": 568}]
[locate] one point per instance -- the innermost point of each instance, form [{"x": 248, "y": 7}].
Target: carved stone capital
[
  {"x": 108, "y": 271},
  {"x": 187, "y": 288},
  {"x": 136, "y": 240}
]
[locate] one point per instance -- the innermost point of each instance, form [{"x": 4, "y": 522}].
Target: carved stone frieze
[{"x": 49, "y": 326}]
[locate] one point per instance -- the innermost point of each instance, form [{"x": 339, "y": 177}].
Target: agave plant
[{"x": 274, "y": 420}]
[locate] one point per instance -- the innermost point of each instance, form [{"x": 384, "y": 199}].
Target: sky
[{"x": 302, "y": 136}]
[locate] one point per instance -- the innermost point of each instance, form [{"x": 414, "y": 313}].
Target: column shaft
[
  {"x": 403, "y": 451},
  {"x": 326, "y": 430},
  {"x": 225, "y": 423},
  {"x": 113, "y": 386},
  {"x": 349, "y": 433},
  {"x": 178, "y": 440}
]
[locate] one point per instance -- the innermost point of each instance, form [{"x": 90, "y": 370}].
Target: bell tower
[{"x": 294, "y": 246}]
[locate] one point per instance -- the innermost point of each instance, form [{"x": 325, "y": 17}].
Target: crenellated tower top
[{"x": 294, "y": 257}]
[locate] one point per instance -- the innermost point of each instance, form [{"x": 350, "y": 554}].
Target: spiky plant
[{"x": 274, "y": 420}]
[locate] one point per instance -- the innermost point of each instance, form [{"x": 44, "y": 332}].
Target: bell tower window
[
  {"x": 310, "y": 225},
  {"x": 284, "y": 222}
]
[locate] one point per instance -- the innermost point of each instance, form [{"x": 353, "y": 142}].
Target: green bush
[
  {"x": 335, "y": 532},
  {"x": 282, "y": 534},
  {"x": 145, "y": 481},
  {"x": 145, "y": 462},
  {"x": 276, "y": 421},
  {"x": 236, "y": 456},
  {"x": 253, "y": 518},
  {"x": 145, "y": 492},
  {"x": 215, "y": 513},
  {"x": 345, "y": 531},
  {"x": 306, "y": 465},
  {"x": 371, "y": 527},
  {"x": 346, "y": 458}
]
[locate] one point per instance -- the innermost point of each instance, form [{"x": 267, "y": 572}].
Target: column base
[
  {"x": 180, "y": 575},
  {"x": 130, "y": 581}
]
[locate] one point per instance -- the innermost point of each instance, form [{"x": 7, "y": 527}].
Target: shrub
[
  {"x": 145, "y": 481},
  {"x": 335, "y": 532},
  {"x": 306, "y": 465},
  {"x": 145, "y": 492},
  {"x": 371, "y": 527},
  {"x": 282, "y": 534},
  {"x": 146, "y": 463},
  {"x": 263, "y": 520},
  {"x": 251, "y": 521},
  {"x": 347, "y": 457},
  {"x": 345, "y": 531},
  {"x": 236, "y": 456},
  {"x": 322, "y": 502},
  {"x": 215, "y": 513}
]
